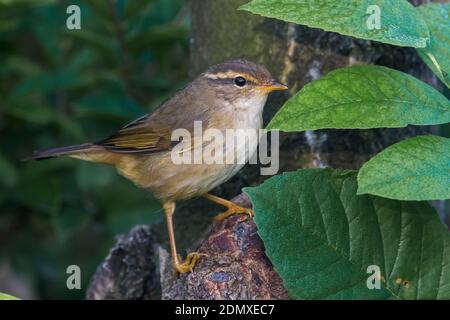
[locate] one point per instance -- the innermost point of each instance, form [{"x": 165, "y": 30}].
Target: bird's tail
[{"x": 61, "y": 151}]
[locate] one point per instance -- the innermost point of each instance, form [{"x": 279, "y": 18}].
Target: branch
[
  {"x": 130, "y": 271},
  {"x": 235, "y": 268}
]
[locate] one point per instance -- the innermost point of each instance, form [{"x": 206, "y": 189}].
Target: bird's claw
[
  {"x": 232, "y": 210},
  {"x": 190, "y": 262}
]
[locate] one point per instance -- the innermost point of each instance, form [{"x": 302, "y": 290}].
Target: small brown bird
[{"x": 230, "y": 95}]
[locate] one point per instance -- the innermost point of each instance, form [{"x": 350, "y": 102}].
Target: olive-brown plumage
[{"x": 230, "y": 95}]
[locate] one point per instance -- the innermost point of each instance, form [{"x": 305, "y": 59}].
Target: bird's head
[{"x": 240, "y": 81}]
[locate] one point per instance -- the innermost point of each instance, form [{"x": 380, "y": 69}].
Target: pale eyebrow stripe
[{"x": 228, "y": 75}]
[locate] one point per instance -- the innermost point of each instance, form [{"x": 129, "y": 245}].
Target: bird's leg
[
  {"x": 232, "y": 208},
  {"x": 192, "y": 258}
]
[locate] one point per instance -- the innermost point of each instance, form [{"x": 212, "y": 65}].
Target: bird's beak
[{"x": 274, "y": 86}]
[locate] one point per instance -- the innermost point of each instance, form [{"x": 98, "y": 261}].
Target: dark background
[{"x": 58, "y": 87}]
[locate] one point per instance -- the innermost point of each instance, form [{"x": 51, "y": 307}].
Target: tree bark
[
  {"x": 295, "y": 55},
  {"x": 130, "y": 271},
  {"x": 235, "y": 266}
]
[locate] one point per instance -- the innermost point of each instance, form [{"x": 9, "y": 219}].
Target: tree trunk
[{"x": 295, "y": 55}]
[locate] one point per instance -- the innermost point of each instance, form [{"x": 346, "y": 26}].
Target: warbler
[{"x": 230, "y": 95}]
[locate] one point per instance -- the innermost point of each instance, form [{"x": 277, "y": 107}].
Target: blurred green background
[{"x": 58, "y": 87}]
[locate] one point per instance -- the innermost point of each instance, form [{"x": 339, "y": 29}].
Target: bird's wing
[
  {"x": 135, "y": 138},
  {"x": 152, "y": 132}
]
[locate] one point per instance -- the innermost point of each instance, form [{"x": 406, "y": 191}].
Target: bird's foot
[
  {"x": 188, "y": 264},
  {"x": 232, "y": 210}
]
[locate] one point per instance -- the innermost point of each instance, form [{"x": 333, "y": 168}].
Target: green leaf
[
  {"x": 436, "y": 54},
  {"x": 400, "y": 23},
  {"x": 414, "y": 169},
  {"x": 321, "y": 237},
  {"x": 4, "y": 296},
  {"x": 361, "y": 97}
]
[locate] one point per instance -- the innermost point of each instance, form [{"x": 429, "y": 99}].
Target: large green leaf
[
  {"x": 413, "y": 169},
  {"x": 321, "y": 237},
  {"x": 400, "y": 23},
  {"x": 437, "y": 54},
  {"x": 363, "y": 97},
  {"x": 4, "y": 296}
]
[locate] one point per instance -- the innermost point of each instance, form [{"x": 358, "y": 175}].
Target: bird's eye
[{"x": 240, "y": 81}]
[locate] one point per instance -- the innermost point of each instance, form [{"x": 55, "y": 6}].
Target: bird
[{"x": 229, "y": 95}]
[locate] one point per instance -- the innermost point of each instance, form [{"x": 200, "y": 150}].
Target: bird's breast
[
  {"x": 238, "y": 128},
  {"x": 241, "y": 131}
]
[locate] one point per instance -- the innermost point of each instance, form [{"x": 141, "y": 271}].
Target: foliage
[
  {"x": 335, "y": 235},
  {"x": 4, "y": 296},
  {"x": 402, "y": 25},
  {"x": 437, "y": 52},
  {"x": 361, "y": 97},
  {"x": 319, "y": 233},
  {"x": 367, "y": 97},
  {"x": 60, "y": 86},
  {"x": 425, "y": 175}
]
